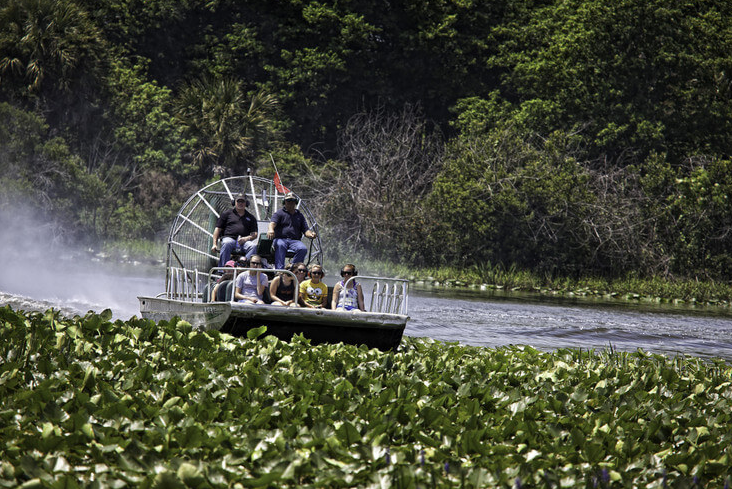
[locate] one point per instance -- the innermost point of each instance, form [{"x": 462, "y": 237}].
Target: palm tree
[
  {"x": 45, "y": 40},
  {"x": 223, "y": 121}
]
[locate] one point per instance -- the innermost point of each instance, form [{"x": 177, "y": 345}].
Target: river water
[
  {"x": 547, "y": 323},
  {"x": 470, "y": 317}
]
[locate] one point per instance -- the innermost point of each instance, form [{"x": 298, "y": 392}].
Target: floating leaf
[{"x": 255, "y": 333}]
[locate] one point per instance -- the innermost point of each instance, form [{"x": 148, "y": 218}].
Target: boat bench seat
[{"x": 223, "y": 293}]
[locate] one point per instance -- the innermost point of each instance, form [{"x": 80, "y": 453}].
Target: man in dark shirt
[
  {"x": 286, "y": 229},
  {"x": 237, "y": 229}
]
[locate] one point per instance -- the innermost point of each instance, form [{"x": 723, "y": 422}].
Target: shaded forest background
[{"x": 576, "y": 137}]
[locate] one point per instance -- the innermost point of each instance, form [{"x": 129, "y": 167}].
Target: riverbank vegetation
[
  {"x": 631, "y": 287},
  {"x": 86, "y": 402},
  {"x": 566, "y": 139}
]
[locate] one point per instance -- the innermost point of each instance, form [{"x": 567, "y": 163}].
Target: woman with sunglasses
[
  {"x": 282, "y": 288},
  {"x": 250, "y": 285},
  {"x": 313, "y": 292},
  {"x": 348, "y": 297}
]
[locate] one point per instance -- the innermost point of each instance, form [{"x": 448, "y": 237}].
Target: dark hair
[{"x": 349, "y": 265}]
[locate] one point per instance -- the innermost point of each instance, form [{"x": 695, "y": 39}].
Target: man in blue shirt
[
  {"x": 286, "y": 229},
  {"x": 237, "y": 229}
]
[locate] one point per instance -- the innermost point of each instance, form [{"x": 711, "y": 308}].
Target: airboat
[{"x": 192, "y": 272}]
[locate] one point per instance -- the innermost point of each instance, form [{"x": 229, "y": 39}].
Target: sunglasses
[
  {"x": 301, "y": 270},
  {"x": 346, "y": 272},
  {"x": 316, "y": 273},
  {"x": 255, "y": 263},
  {"x": 241, "y": 201}
]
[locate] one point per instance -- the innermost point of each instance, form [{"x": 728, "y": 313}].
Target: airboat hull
[{"x": 375, "y": 330}]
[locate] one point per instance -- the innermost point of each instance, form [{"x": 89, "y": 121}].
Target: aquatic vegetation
[
  {"x": 89, "y": 402},
  {"x": 630, "y": 287}
]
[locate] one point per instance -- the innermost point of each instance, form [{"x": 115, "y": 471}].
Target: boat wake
[
  {"x": 29, "y": 304},
  {"x": 76, "y": 289}
]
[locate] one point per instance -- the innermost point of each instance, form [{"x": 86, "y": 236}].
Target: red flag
[{"x": 278, "y": 184}]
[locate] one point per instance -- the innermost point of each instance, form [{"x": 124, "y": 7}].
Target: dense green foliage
[
  {"x": 90, "y": 402},
  {"x": 565, "y": 138}
]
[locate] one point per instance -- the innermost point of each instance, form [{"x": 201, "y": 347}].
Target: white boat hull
[{"x": 376, "y": 330}]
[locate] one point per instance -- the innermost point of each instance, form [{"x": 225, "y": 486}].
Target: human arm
[
  {"x": 248, "y": 237},
  {"x": 360, "y": 297},
  {"x": 261, "y": 284},
  {"x": 336, "y": 294},
  {"x": 243, "y": 291},
  {"x": 273, "y": 286},
  {"x": 302, "y": 295},
  {"x": 250, "y": 231},
  {"x": 309, "y": 233},
  {"x": 301, "y": 299},
  {"x": 216, "y": 234},
  {"x": 239, "y": 296}
]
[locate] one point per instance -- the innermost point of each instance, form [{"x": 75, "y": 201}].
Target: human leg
[
  {"x": 250, "y": 248},
  {"x": 280, "y": 247},
  {"x": 300, "y": 250},
  {"x": 227, "y": 245}
]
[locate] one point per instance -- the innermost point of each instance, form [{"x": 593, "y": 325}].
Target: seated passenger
[
  {"x": 228, "y": 275},
  {"x": 282, "y": 288},
  {"x": 286, "y": 229},
  {"x": 237, "y": 229},
  {"x": 348, "y": 297},
  {"x": 313, "y": 292},
  {"x": 250, "y": 285}
]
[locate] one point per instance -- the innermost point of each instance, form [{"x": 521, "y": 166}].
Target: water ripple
[{"x": 500, "y": 321}]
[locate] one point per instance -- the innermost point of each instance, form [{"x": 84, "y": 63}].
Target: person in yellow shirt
[{"x": 313, "y": 292}]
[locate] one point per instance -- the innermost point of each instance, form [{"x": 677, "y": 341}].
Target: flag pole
[
  {"x": 277, "y": 180},
  {"x": 273, "y": 164}
]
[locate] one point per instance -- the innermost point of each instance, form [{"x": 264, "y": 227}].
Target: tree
[
  {"x": 136, "y": 142},
  {"x": 48, "y": 48},
  {"x": 374, "y": 195},
  {"x": 224, "y": 122},
  {"x": 699, "y": 228},
  {"x": 632, "y": 74},
  {"x": 38, "y": 171}
]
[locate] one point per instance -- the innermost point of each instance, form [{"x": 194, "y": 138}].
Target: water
[
  {"x": 466, "y": 316},
  {"x": 485, "y": 319},
  {"x": 77, "y": 289}
]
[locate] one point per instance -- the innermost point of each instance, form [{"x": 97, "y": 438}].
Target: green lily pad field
[{"x": 90, "y": 402}]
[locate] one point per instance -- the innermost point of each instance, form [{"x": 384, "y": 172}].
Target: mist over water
[
  {"x": 38, "y": 271},
  {"x": 77, "y": 289}
]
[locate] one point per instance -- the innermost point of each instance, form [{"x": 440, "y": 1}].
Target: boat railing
[
  {"x": 388, "y": 295},
  {"x": 184, "y": 284}
]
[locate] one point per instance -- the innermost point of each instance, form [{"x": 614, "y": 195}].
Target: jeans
[
  {"x": 283, "y": 245},
  {"x": 228, "y": 245}
]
